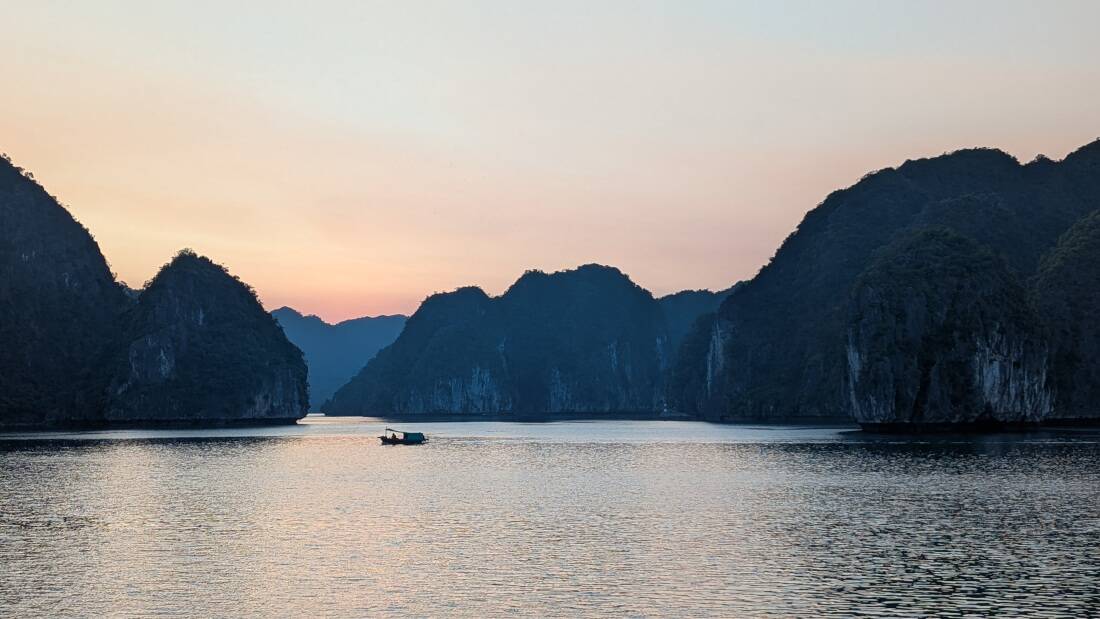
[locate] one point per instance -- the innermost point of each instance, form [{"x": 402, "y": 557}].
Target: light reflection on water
[{"x": 617, "y": 517}]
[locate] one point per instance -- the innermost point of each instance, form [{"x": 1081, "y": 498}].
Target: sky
[{"x": 351, "y": 158}]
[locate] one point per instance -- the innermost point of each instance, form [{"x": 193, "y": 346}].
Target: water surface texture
[{"x": 564, "y": 519}]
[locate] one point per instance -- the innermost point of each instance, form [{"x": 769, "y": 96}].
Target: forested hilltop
[
  {"x": 60, "y": 310},
  {"x": 1067, "y": 295},
  {"x": 803, "y": 340},
  {"x": 584, "y": 341},
  {"x": 81, "y": 349},
  {"x": 198, "y": 348}
]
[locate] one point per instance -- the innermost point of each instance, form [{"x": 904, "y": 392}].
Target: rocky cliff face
[
  {"x": 941, "y": 334},
  {"x": 59, "y": 310},
  {"x": 336, "y": 352},
  {"x": 581, "y": 341},
  {"x": 199, "y": 349},
  {"x": 1067, "y": 293},
  {"x": 784, "y": 332},
  {"x": 682, "y": 309},
  {"x": 446, "y": 360},
  {"x": 698, "y": 364}
]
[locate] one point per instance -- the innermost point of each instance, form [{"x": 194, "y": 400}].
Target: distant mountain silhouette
[
  {"x": 587, "y": 340},
  {"x": 780, "y": 346},
  {"x": 336, "y": 352},
  {"x": 80, "y": 349}
]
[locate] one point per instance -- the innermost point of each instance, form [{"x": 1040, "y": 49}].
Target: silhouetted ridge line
[
  {"x": 582, "y": 341},
  {"x": 776, "y": 349},
  {"x": 81, "y": 349},
  {"x": 335, "y": 352}
]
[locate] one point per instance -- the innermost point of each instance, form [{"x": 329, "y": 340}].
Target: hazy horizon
[{"x": 350, "y": 160}]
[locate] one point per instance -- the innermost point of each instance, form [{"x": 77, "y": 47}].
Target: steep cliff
[
  {"x": 783, "y": 334},
  {"x": 941, "y": 333},
  {"x": 59, "y": 310},
  {"x": 445, "y": 360},
  {"x": 682, "y": 309},
  {"x": 199, "y": 349},
  {"x": 582, "y": 341},
  {"x": 334, "y": 353},
  {"x": 1067, "y": 293},
  {"x": 690, "y": 385}
]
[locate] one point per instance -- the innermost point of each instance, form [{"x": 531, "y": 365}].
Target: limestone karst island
[{"x": 608, "y": 309}]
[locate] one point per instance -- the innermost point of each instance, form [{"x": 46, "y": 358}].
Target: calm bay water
[{"x": 563, "y": 519}]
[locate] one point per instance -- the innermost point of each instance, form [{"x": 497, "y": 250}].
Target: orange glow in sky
[{"x": 350, "y": 158}]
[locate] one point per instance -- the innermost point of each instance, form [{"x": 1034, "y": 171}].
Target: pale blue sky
[{"x": 351, "y": 157}]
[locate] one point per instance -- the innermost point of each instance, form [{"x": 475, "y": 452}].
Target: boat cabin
[{"x": 398, "y": 437}]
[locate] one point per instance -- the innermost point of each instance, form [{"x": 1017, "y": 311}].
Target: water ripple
[{"x": 335, "y": 525}]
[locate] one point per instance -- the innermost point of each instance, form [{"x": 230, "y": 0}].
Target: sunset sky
[{"x": 350, "y": 158}]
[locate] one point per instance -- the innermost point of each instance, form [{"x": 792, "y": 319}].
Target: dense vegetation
[
  {"x": 200, "y": 348},
  {"x": 448, "y": 337},
  {"x": 781, "y": 350},
  {"x": 942, "y": 332},
  {"x": 1067, "y": 292},
  {"x": 912, "y": 294},
  {"x": 59, "y": 310},
  {"x": 336, "y": 352},
  {"x": 80, "y": 348},
  {"x": 586, "y": 340},
  {"x": 689, "y": 386},
  {"x": 683, "y": 308}
]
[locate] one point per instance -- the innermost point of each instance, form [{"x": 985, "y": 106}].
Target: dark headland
[{"x": 193, "y": 347}]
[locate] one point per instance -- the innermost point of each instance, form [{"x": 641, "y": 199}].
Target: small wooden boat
[{"x": 397, "y": 437}]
